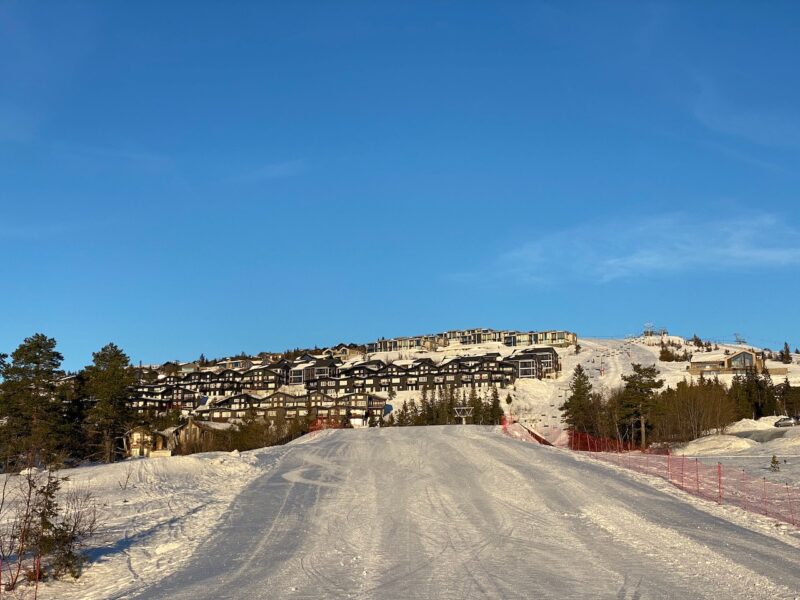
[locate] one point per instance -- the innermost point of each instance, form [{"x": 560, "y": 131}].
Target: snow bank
[
  {"x": 716, "y": 444},
  {"x": 788, "y": 444},
  {"x": 153, "y": 514},
  {"x": 751, "y": 425},
  {"x": 750, "y": 445}
]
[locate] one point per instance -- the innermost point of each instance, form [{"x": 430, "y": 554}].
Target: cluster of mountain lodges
[{"x": 339, "y": 381}]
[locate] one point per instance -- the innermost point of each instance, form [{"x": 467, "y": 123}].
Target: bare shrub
[
  {"x": 43, "y": 531},
  {"x": 123, "y": 484}
]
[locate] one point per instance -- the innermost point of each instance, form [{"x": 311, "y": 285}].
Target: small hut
[{"x": 143, "y": 441}]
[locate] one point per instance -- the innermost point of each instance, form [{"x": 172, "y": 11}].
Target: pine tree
[
  {"x": 666, "y": 355},
  {"x": 33, "y": 432},
  {"x": 108, "y": 382},
  {"x": 639, "y": 391}
]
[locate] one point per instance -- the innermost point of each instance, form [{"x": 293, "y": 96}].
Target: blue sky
[{"x": 200, "y": 177}]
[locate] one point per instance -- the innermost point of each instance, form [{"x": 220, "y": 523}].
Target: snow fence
[{"x": 714, "y": 482}]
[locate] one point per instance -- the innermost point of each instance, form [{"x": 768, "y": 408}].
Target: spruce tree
[
  {"x": 767, "y": 398},
  {"x": 786, "y": 354},
  {"x": 72, "y": 398},
  {"x": 402, "y": 415},
  {"x": 477, "y": 407},
  {"x": 413, "y": 414},
  {"x": 577, "y": 407},
  {"x": 441, "y": 407},
  {"x": 427, "y": 409},
  {"x": 790, "y": 397},
  {"x": 495, "y": 411},
  {"x": 108, "y": 382}
]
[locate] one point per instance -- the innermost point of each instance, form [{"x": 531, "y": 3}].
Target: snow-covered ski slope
[
  {"x": 537, "y": 402},
  {"x": 464, "y": 512}
]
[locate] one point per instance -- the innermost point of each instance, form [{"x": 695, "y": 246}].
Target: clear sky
[{"x": 187, "y": 177}]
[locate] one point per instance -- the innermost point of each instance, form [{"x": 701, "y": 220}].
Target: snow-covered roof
[
  {"x": 214, "y": 425},
  {"x": 403, "y": 363},
  {"x": 351, "y": 363},
  {"x": 703, "y": 357},
  {"x": 304, "y": 365}
]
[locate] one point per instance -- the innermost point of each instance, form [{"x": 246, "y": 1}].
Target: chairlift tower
[{"x": 463, "y": 412}]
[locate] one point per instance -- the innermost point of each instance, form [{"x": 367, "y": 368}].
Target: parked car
[{"x": 786, "y": 422}]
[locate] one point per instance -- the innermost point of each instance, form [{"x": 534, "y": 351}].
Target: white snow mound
[
  {"x": 752, "y": 425},
  {"x": 716, "y": 444}
]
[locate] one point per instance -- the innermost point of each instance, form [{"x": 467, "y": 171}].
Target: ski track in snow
[
  {"x": 150, "y": 525},
  {"x": 462, "y": 512},
  {"x": 378, "y": 517}
]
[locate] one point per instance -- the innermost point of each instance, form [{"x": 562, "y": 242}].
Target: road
[{"x": 463, "y": 512}]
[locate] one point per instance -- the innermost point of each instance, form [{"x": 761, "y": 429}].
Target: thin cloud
[
  {"x": 87, "y": 152},
  {"x": 277, "y": 170},
  {"x": 748, "y": 159},
  {"x": 665, "y": 245},
  {"x": 20, "y": 127},
  {"x": 763, "y": 127}
]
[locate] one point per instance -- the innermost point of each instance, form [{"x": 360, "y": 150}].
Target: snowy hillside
[
  {"x": 431, "y": 512},
  {"x": 536, "y": 402},
  {"x": 153, "y": 514}
]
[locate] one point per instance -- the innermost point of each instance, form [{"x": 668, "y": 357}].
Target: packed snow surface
[{"x": 464, "y": 512}]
